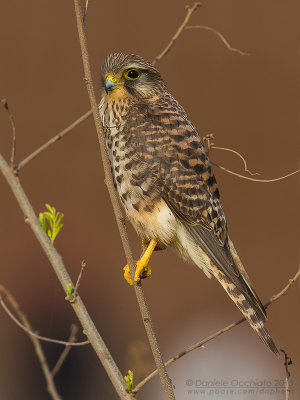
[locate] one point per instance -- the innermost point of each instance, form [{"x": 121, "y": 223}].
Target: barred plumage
[{"x": 165, "y": 181}]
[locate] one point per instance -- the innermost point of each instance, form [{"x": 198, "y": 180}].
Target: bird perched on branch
[{"x": 164, "y": 180}]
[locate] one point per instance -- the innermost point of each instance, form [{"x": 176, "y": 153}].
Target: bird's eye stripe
[{"x": 132, "y": 74}]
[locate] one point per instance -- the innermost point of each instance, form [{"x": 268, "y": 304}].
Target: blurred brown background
[{"x": 251, "y": 104}]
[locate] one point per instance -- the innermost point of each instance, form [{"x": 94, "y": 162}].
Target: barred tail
[{"x": 251, "y": 310}]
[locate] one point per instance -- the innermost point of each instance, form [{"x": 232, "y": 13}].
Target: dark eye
[{"x": 132, "y": 74}]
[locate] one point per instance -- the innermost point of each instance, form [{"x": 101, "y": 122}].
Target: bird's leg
[
  {"x": 147, "y": 269},
  {"x": 143, "y": 269}
]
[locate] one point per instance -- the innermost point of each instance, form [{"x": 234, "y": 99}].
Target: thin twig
[
  {"x": 190, "y": 11},
  {"x": 54, "y": 139},
  {"x": 165, "y": 380},
  {"x": 64, "y": 278},
  {"x": 14, "y": 140},
  {"x": 216, "y": 334},
  {"x": 209, "y": 138},
  {"x": 35, "y": 335},
  {"x": 254, "y": 179},
  {"x": 36, "y": 344},
  {"x": 66, "y": 350},
  {"x": 83, "y": 265},
  {"x": 287, "y": 362},
  {"x": 208, "y": 28},
  {"x": 239, "y": 155},
  {"x": 284, "y": 290}
]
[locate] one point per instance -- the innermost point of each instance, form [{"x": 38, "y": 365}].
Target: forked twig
[
  {"x": 35, "y": 335},
  {"x": 239, "y": 155},
  {"x": 66, "y": 350},
  {"x": 216, "y": 334},
  {"x": 178, "y": 32},
  {"x": 209, "y": 138},
  {"x": 57, "y": 263},
  {"x": 209, "y": 28},
  {"x": 83, "y": 265},
  {"x": 51, "y": 388}
]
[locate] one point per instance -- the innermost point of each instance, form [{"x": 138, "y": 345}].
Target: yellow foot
[
  {"x": 143, "y": 269},
  {"x": 127, "y": 275},
  {"x": 141, "y": 272}
]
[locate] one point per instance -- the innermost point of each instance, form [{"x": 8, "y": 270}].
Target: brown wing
[
  {"x": 189, "y": 186},
  {"x": 174, "y": 152}
]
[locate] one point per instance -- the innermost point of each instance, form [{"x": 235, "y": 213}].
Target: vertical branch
[{"x": 165, "y": 380}]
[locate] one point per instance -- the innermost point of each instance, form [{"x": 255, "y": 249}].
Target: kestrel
[{"x": 164, "y": 180}]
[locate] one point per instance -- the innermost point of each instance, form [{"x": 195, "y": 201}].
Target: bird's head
[{"x": 128, "y": 74}]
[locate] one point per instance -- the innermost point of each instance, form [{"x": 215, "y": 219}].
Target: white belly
[
  {"x": 158, "y": 223},
  {"x": 162, "y": 225}
]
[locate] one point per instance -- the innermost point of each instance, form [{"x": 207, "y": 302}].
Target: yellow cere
[{"x": 111, "y": 78}]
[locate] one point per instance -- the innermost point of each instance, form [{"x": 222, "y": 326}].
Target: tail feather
[
  {"x": 253, "y": 312},
  {"x": 224, "y": 263}
]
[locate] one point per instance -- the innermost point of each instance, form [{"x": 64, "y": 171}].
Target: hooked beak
[{"x": 110, "y": 83}]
